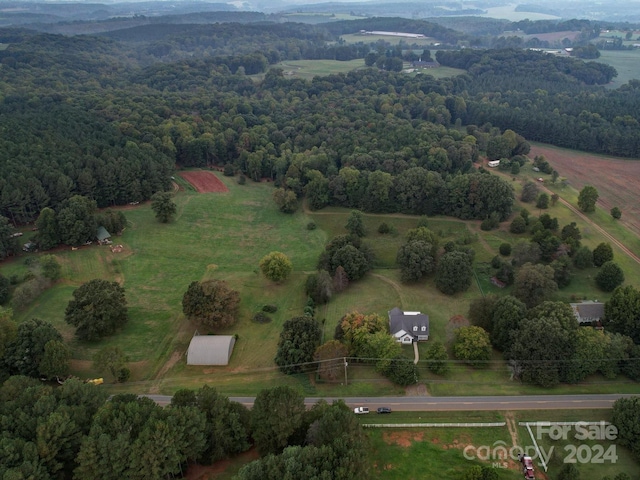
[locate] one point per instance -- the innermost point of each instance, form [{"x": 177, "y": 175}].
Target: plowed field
[
  {"x": 204, "y": 182},
  {"x": 617, "y": 180}
]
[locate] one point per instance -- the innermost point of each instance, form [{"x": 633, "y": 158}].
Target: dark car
[{"x": 384, "y": 410}]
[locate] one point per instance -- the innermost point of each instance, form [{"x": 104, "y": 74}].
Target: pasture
[
  {"x": 307, "y": 69},
  {"x": 626, "y": 62},
  {"x": 224, "y": 235}
]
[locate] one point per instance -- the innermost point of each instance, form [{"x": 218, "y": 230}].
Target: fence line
[{"x": 433, "y": 425}]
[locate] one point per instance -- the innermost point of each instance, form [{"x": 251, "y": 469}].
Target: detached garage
[{"x": 210, "y": 349}]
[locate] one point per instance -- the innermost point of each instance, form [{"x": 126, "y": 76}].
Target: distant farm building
[
  {"x": 421, "y": 64},
  {"x": 494, "y": 163},
  {"x": 210, "y": 349},
  {"x": 103, "y": 236},
  {"x": 392, "y": 34}
]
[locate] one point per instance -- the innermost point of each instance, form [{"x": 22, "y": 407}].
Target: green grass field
[
  {"x": 626, "y": 62},
  {"x": 223, "y": 236},
  {"x": 308, "y": 69}
]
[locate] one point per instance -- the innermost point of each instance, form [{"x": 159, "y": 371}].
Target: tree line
[
  {"x": 112, "y": 128},
  {"x": 73, "y": 432}
]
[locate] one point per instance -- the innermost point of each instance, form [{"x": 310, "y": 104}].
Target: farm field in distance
[{"x": 615, "y": 179}]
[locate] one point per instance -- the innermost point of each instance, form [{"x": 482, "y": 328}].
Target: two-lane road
[{"x": 425, "y": 404}]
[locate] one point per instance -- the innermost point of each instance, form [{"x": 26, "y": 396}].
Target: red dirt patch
[
  {"x": 207, "y": 472},
  {"x": 204, "y": 182},
  {"x": 403, "y": 438},
  {"x": 616, "y": 179}
]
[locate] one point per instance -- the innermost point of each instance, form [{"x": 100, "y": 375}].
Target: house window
[
  {"x": 424, "y": 329},
  {"x": 415, "y": 329}
]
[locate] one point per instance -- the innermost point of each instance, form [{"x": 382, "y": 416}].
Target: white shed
[{"x": 210, "y": 349}]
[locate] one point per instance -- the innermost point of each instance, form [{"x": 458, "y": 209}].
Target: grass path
[{"x": 601, "y": 230}]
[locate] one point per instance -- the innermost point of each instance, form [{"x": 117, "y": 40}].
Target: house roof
[
  {"x": 406, "y": 321},
  {"x": 102, "y": 234},
  {"x": 210, "y": 349},
  {"x": 588, "y": 311}
]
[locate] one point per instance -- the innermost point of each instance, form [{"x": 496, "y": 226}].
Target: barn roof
[
  {"x": 102, "y": 234},
  {"x": 210, "y": 349}
]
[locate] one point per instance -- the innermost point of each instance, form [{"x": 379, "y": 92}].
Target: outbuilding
[{"x": 210, "y": 349}]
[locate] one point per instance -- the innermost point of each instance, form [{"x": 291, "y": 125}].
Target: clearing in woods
[{"x": 204, "y": 182}]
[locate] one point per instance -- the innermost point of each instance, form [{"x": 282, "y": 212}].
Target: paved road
[{"x": 424, "y": 404}]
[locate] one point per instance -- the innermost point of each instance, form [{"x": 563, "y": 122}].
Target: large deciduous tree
[
  {"x": 609, "y": 276},
  {"x": 602, "y": 253},
  {"x": 47, "y": 225},
  {"x": 508, "y": 312},
  {"x": 355, "y": 224},
  {"x": 534, "y": 284},
  {"x": 299, "y": 338},
  {"x": 25, "y": 352},
  {"x": 55, "y": 361},
  {"x": 472, "y": 345},
  {"x": 211, "y": 303},
  {"x": 163, "y": 206},
  {"x": 276, "y": 266},
  {"x": 437, "y": 358},
  {"x": 587, "y": 199},
  {"x": 541, "y": 349},
  {"x": 415, "y": 260},
  {"x": 76, "y": 221},
  {"x": 626, "y": 417},
  {"x": 622, "y": 312},
  {"x": 276, "y": 415},
  {"x": 453, "y": 273},
  {"x": 98, "y": 308}
]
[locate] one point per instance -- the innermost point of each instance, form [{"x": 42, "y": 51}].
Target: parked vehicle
[
  {"x": 360, "y": 410},
  {"x": 384, "y": 410},
  {"x": 527, "y": 466}
]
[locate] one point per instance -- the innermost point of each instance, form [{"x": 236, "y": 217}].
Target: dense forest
[{"x": 110, "y": 117}]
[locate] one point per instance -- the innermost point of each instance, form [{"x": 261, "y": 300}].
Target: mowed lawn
[{"x": 220, "y": 236}]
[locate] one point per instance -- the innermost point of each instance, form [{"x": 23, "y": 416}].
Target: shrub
[
  {"x": 616, "y": 213},
  {"x": 261, "y": 317},
  {"x": 518, "y": 225},
  {"x": 384, "y": 228},
  {"x": 505, "y": 249},
  {"x": 311, "y": 226},
  {"x": 609, "y": 277},
  {"x": 270, "y": 308},
  {"x": 242, "y": 179},
  {"x": 229, "y": 170}
]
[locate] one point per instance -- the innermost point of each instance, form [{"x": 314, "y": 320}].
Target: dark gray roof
[
  {"x": 588, "y": 311},
  {"x": 399, "y": 320},
  {"x": 102, "y": 234}
]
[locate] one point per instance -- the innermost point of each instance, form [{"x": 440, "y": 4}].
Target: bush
[
  {"x": 229, "y": 170},
  {"x": 311, "y": 226},
  {"x": 496, "y": 262},
  {"x": 505, "y": 249},
  {"x": 616, "y": 213},
  {"x": 270, "y": 308},
  {"x": 384, "y": 228},
  {"x": 242, "y": 179},
  {"x": 261, "y": 317},
  {"x": 518, "y": 225}
]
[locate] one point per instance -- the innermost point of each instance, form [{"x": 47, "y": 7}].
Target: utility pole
[{"x": 345, "y": 371}]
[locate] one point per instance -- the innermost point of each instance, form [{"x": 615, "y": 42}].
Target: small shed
[
  {"x": 102, "y": 235},
  {"x": 210, "y": 349}
]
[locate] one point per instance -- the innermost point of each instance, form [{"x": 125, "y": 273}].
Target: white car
[{"x": 360, "y": 410}]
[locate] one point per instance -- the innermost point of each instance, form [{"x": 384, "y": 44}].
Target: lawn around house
[{"x": 224, "y": 235}]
